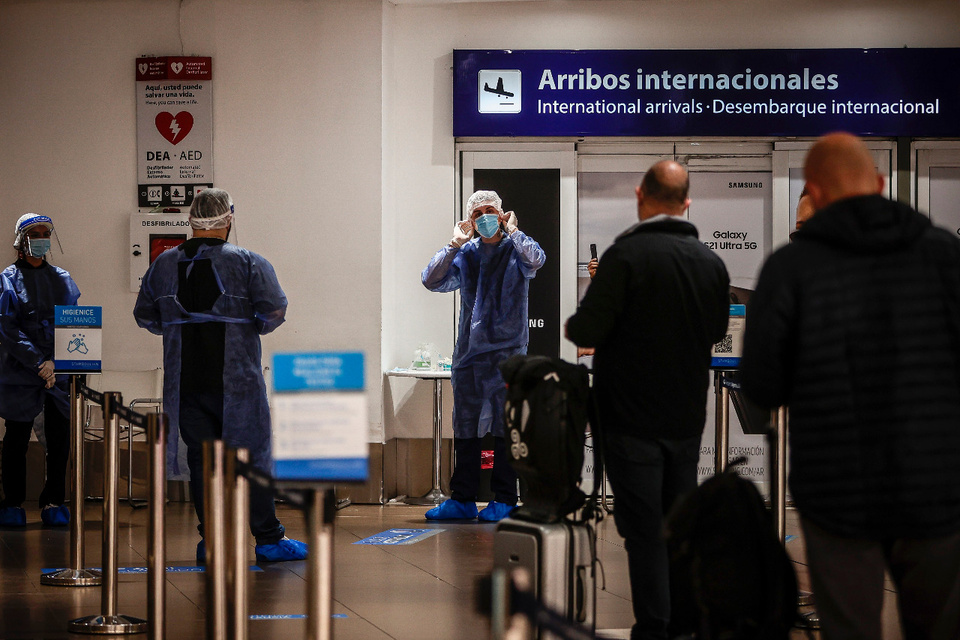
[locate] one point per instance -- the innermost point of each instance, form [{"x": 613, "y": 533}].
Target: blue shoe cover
[
  {"x": 13, "y": 517},
  {"x": 202, "y": 551},
  {"x": 496, "y": 511},
  {"x": 54, "y": 516},
  {"x": 283, "y": 551},
  {"x": 453, "y": 510}
]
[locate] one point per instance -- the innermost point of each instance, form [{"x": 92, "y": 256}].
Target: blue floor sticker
[
  {"x": 288, "y": 616},
  {"x": 126, "y": 570},
  {"x": 399, "y": 536}
]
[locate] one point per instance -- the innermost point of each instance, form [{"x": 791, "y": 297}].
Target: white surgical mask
[
  {"x": 488, "y": 224},
  {"x": 38, "y": 247}
]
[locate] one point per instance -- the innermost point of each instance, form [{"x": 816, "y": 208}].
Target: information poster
[
  {"x": 320, "y": 421},
  {"x": 174, "y": 130}
]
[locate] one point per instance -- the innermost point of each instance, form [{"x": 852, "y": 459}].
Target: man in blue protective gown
[
  {"x": 211, "y": 301},
  {"x": 29, "y": 290},
  {"x": 492, "y": 272}
]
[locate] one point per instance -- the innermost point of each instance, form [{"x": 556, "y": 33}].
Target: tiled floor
[{"x": 415, "y": 591}]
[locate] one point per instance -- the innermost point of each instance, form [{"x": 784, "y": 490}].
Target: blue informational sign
[
  {"x": 320, "y": 423},
  {"x": 745, "y": 92},
  {"x": 726, "y": 353},
  {"x": 327, "y": 371},
  {"x": 77, "y": 339}
]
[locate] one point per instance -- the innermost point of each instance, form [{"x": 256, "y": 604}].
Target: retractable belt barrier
[
  {"x": 108, "y": 621},
  {"x": 778, "y": 418},
  {"x": 227, "y": 473},
  {"x": 226, "y": 477}
]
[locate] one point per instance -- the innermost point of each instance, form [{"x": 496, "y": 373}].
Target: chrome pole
[
  {"x": 722, "y": 435},
  {"x": 109, "y": 622},
  {"x": 156, "y": 542},
  {"x": 319, "y": 568},
  {"x": 75, "y": 575},
  {"x": 213, "y": 532},
  {"x": 780, "y": 504},
  {"x": 239, "y": 506}
]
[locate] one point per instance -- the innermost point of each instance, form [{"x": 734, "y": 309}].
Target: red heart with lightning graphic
[{"x": 174, "y": 127}]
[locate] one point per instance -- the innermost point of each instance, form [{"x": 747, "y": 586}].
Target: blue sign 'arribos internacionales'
[{"x": 765, "y": 92}]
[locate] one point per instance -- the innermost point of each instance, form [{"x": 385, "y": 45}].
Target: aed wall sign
[
  {"x": 750, "y": 92},
  {"x": 174, "y": 129}
]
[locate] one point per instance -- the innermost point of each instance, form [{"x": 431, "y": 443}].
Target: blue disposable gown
[
  {"x": 251, "y": 304},
  {"x": 493, "y": 280},
  {"x": 27, "y": 299}
]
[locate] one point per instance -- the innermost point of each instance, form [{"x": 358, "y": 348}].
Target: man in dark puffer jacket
[{"x": 856, "y": 327}]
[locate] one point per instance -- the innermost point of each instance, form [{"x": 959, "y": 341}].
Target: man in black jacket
[
  {"x": 856, "y": 327},
  {"x": 658, "y": 302}
]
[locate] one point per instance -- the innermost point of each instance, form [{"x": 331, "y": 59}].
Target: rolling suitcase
[{"x": 561, "y": 559}]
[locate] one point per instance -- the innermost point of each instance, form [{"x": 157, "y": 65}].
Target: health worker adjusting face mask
[{"x": 488, "y": 224}]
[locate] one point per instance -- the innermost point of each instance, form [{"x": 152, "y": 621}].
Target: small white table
[{"x": 435, "y": 495}]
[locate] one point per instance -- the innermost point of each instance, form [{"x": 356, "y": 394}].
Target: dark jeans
[
  {"x": 14, "y": 460},
  {"x": 847, "y": 575},
  {"x": 465, "y": 483},
  {"x": 201, "y": 418},
  {"x": 647, "y": 477}
]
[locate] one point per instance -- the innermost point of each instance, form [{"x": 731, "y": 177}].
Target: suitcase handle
[{"x": 579, "y": 595}]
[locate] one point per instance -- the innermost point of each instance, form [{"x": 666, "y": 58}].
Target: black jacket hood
[{"x": 865, "y": 224}]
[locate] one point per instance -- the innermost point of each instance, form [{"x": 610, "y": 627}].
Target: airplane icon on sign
[{"x": 499, "y": 90}]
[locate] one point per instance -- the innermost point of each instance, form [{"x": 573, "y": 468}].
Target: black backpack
[
  {"x": 730, "y": 577},
  {"x": 546, "y": 415}
]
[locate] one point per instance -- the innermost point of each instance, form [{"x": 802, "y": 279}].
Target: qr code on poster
[{"x": 725, "y": 345}]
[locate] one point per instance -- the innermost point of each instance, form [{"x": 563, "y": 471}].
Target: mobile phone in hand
[{"x": 593, "y": 252}]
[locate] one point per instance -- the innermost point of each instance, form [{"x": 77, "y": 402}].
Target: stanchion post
[
  {"x": 780, "y": 502},
  {"x": 75, "y": 575},
  {"x": 215, "y": 536},
  {"x": 319, "y": 568},
  {"x": 239, "y": 518},
  {"x": 109, "y": 622},
  {"x": 156, "y": 541},
  {"x": 722, "y": 435}
]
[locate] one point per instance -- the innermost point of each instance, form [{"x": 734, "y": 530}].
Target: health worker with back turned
[
  {"x": 29, "y": 290},
  {"x": 493, "y": 272},
  {"x": 658, "y": 303},
  {"x": 211, "y": 301}
]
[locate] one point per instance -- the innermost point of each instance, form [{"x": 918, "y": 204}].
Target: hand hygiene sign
[
  {"x": 77, "y": 339},
  {"x": 776, "y": 92},
  {"x": 319, "y": 417}
]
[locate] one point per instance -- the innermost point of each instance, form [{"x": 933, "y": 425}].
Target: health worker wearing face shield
[
  {"x": 211, "y": 301},
  {"x": 491, "y": 261},
  {"x": 29, "y": 290}
]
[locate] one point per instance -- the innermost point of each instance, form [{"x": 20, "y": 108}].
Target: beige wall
[{"x": 297, "y": 137}]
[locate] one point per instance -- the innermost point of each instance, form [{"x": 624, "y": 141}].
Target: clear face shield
[{"x": 36, "y": 241}]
